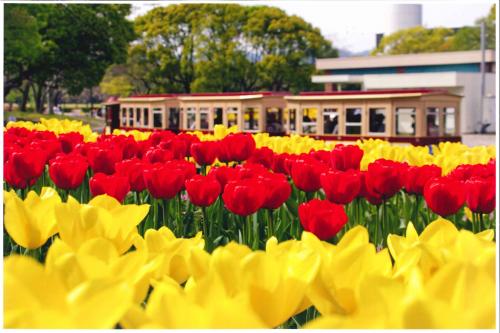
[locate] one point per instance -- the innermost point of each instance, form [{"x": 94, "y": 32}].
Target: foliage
[
  {"x": 65, "y": 46},
  {"x": 221, "y": 47},
  {"x": 420, "y": 39}
]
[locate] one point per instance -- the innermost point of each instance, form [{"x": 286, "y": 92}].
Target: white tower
[{"x": 404, "y": 16}]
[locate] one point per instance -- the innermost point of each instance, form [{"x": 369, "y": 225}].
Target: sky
[{"x": 353, "y": 25}]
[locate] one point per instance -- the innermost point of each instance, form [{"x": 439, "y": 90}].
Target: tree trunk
[
  {"x": 25, "y": 97},
  {"x": 38, "y": 94}
]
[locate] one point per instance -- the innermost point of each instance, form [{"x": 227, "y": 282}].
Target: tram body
[{"x": 417, "y": 116}]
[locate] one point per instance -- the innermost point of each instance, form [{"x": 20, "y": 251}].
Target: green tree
[
  {"x": 116, "y": 82},
  {"x": 225, "y": 47},
  {"x": 22, "y": 45},
  {"x": 416, "y": 40},
  {"x": 420, "y": 39},
  {"x": 78, "y": 43}
]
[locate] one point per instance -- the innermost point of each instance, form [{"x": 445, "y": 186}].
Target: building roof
[
  {"x": 400, "y": 60},
  {"x": 367, "y": 94},
  {"x": 214, "y": 94}
]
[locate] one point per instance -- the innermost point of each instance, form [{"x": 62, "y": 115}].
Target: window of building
[
  {"x": 432, "y": 120},
  {"x": 309, "y": 120},
  {"x": 191, "y": 118},
  {"x": 274, "y": 120},
  {"x": 204, "y": 119},
  {"x": 173, "y": 118},
  {"x": 376, "y": 120},
  {"x": 251, "y": 119},
  {"x": 218, "y": 118},
  {"x": 290, "y": 119},
  {"x": 330, "y": 121},
  {"x": 232, "y": 116},
  {"x": 449, "y": 121},
  {"x": 131, "y": 117},
  {"x": 405, "y": 121},
  {"x": 146, "y": 117},
  {"x": 124, "y": 117},
  {"x": 157, "y": 118},
  {"x": 138, "y": 116},
  {"x": 353, "y": 121}
]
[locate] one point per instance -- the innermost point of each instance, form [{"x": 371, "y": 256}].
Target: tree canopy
[
  {"x": 225, "y": 47},
  {"x": 420, "y": 39},
  {"x": 63, "y": 46}
]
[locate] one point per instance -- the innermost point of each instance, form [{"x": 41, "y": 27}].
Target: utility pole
[{"x": 483, "y": 70}]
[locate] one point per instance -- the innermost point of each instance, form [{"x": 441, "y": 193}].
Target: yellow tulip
[
  {"x": 35, "y": 298},
  {"x": 98, "y": 258},
  {"x": 102, "y": 217},
  {"x": 31, "y": 222},
  {"x": 172, "y": 254}
]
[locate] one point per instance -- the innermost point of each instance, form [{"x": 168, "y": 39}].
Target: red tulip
[
  {"x": 203, "y": 190},
  {"x": 133, "y": 169},
  {"x": 416, "y": 177},
  {"x": 263, "y": 156},
  {"x": 279, "y": 163},
  {"x": 29, "y": 163},
  {"x": 383, "y": 177},
  {"x": 250, "y": 170},
  {"x": 367, "y": 193},
  {"x": 69, "y": 141},
  {"x": 115, "y": 186},
  {"x": 341, "y": 187},
  {"x": 322, "y": 218},
  {"x": 244, "y": 197},
  {"x": 68, "y": 171},
  {"x": 444, "y": 195},
  {"x": 178, "y": 148},
  {"x": 158, "y": 155},
  {"x": 224, "y": 174},
  {"x": 163, "y": 182},
  {"x": 50, "y": 147},
  {"x": 12, "y": 177},
  {"x": 278, "y": 190},
  {"x": 204, "y": 152},
  {"x": 480, "y": 194},
  {"x": 236, "y": 147},
  {"x": 346, "y": 157},
  {"x": 306, "y": 174},
  {"x": 102, "y": 159}
]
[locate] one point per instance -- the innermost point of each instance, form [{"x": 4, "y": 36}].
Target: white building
[{"x": 457, "y": 72}]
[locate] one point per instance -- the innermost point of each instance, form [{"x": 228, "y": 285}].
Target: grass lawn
[{"x": 95, "y": 123}]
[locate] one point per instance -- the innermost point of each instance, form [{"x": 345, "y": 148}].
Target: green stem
[{"x": 205, "y": 228}]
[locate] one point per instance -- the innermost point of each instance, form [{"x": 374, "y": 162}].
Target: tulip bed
[{"x": 158, "y": 230}]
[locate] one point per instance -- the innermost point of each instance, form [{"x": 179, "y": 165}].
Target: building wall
[{"x": 466, "y": 68}]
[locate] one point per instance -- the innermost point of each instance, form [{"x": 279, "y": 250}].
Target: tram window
[
  {"x": 146, "y": 117},
  {"x": 274, "y": 120},
  {"x": 353, "y": 121},
  {"x": 292, "y": 119},
  {"x": 191, "y": 118},
  {"x": 218, "y": 116},
  {"x": 449, "y": 121},
  {"x": 157, "y": 118},
  {"x": 330, "y": 121},
  {"x": 432, "y": 118},
  {"x": 131, "y": 117},
  {"x": 138, "y": 116},
  {"x": 124, "y": 117},
  {"x": 204, "y": 122},
  {"x": 173, "y": 118},
  {"x": 232, "y": 117},
  {"x": 376, "y": 118},
  {"x": 251, "y": 119},
  {"x": 309, "y": 120},
  {"x": 405, "y": 121}
]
